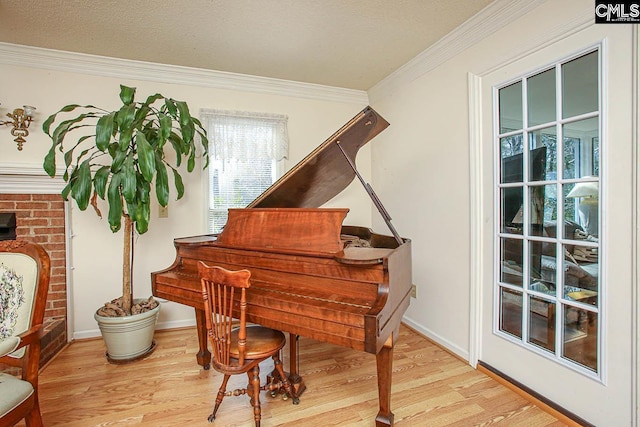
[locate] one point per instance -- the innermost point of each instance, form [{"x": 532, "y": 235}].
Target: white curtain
[{"x": 243, "y": 135}]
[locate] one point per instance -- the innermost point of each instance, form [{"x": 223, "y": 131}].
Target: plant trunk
[{"x": 127, "y": 293}]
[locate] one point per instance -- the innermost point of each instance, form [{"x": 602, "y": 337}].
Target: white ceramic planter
[{"x": 128, "y": 337}]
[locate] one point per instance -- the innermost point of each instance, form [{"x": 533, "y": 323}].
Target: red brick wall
[{"x": 40, "y": 219}]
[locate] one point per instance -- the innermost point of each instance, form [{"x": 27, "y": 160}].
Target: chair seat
[
  {"x": 13, "y": 392},
  {"x": 261, "y": 342}
]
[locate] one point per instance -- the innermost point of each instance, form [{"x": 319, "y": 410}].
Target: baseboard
[
  {"x": 174, "y": 324},
  {"x": 565, "y": 416},
  {"x": 440, "y": 341}
]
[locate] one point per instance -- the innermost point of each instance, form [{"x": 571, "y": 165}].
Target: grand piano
[{"x": 311, "y": 275}]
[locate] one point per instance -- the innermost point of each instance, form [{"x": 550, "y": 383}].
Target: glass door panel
[
  {"x": 580, "y": 85},
  {"x": 511, "y": 269},
  {"x": 541, "y": 96},
  {"x": 580, "y": 337},
  {"x": 545, "y": 185},
  {"x": 510, "y": 111},
  {"x": 511, "y": 312},
  {"x": 542, "y": 160},
  {"x": 542, "y": 323}
]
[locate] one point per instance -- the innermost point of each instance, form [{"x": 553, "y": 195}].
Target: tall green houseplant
[{"x": 119, "y": 155}]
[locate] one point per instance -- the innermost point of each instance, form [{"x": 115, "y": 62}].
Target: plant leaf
[
  {"x": 191, "y": 163},
  {"x": 68, "y": 156},
  {"x": 146, "y": 157},
  {"x": 115, "y": 203},
  {"x": 124, "y": 118},
  {"x": 132, "y": 210},
  {"x": 142, "y": 112},
  {"x": 118, "y": 160},
  {"x": 176, "y": 143},
  {"x": 165, "y": 128},
  {"x": 49, "y": 163},
  {"x": 64, "y": 127},
  {"x": 153, "y": 98},
  {"x": 67, "y": 108},
  {"x": 177, "y": 180},
  {"x": 144, "y": 190},
  {"x": 66, "y": 190},
  {"x": 127, "y": 94},
  {"x": 186, "y": 122},
  {"x": 171, "y": 107},
  {"x": 142, "y": 218},
  {"x": 100, "y": 180},
  {"x": 162, "y": 183},
  {"x": 104, "y": 130},
  {"x": 94, "y": 203},
  {"x": 81, "y": 186},
  {"x": 129, "y": 180}
]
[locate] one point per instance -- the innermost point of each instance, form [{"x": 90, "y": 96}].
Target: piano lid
[{"x": 325, "y": 172}]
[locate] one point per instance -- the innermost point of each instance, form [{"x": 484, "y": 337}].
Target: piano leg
[
  {"x": 203, "y": 356},
  {"x": 294, "y": 378},
  {"x": 296, "y": 381},
  {"x": 384, "y": 363}
]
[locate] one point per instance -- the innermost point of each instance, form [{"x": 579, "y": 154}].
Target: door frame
[{"x": 635, "y": 248}]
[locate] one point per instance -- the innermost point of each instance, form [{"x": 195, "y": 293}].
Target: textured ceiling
[{"x": 343, "y": 43}]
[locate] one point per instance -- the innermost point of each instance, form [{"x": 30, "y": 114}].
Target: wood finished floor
[{"x": 430, "y": 388}]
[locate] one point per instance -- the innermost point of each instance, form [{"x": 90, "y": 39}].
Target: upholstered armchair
[{"x": 24, "y": 283}]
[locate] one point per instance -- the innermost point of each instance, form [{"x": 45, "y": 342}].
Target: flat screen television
[{"x": 512, "y": 171}]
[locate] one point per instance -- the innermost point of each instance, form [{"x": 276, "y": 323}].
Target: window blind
[{"x": 246, "y": 153}]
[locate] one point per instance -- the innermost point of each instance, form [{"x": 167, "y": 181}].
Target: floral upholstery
[
  {"x": 17, "y": 268},
  {"x": 11, "y": 298}
]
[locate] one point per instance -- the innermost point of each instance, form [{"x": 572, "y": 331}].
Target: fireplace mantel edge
[{"x": 28, "y": 178}]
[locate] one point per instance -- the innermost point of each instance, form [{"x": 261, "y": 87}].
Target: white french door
[{"x": 556, "y": 217}]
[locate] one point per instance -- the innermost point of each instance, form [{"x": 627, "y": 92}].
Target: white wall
[
  {"x": 421, "y": 163},
  {"x": 95, "y": 252}
]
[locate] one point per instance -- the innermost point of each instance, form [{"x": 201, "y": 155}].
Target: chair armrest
[
  {"x": 9, "y": 345},
  {"x": 31, "y": 335}
]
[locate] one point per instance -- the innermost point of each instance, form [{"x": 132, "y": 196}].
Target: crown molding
[
  {"x": 28, "y": 178},
  {"x": 486, "y": 22},
  {"x": 50, "y": 59}
]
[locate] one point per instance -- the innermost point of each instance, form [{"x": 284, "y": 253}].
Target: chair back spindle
[{"x": 218, "y": 287}]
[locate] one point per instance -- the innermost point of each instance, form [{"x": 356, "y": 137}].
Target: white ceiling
[{"x": 351, "y": 44}]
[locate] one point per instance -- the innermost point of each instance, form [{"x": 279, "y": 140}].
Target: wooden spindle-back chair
[{"x": 238, "y": 348}]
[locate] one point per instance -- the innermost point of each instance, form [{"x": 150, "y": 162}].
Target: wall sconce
[{"x": 20, "y": 120}]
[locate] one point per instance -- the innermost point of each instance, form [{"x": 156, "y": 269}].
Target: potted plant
[{"x": 117, "y": 156}]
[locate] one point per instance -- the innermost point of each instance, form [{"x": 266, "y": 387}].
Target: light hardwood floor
[{"x": 430, "y": 388}]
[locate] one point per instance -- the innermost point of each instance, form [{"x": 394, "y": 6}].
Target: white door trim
[
  {"x": 635, "y": 247},
  {"x": 476, "y": 223}
]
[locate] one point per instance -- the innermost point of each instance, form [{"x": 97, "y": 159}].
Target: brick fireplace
[{"x": 40, "y": 218}]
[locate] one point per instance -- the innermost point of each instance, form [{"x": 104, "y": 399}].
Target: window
[
  {"x": 547, "y": 288},
  {"x": 246, "y": 155}
]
